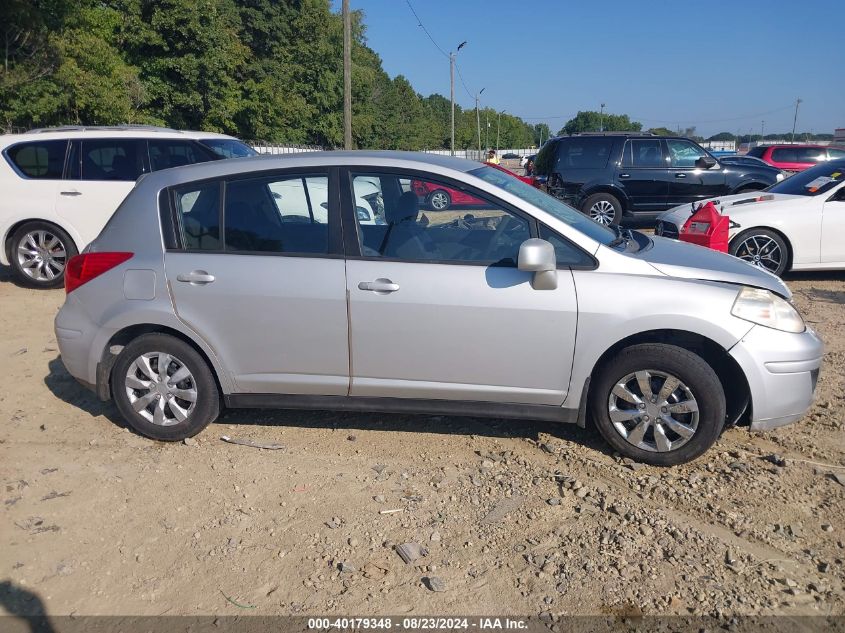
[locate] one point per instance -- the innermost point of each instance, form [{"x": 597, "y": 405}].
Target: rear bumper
[
  {"x": 75, "y": 334},
  {"x": 782, "y": 370}
]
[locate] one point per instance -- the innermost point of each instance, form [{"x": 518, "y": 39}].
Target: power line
[
  {"x": 422, "y": 26},
  {"x": 468, "y": 91}
]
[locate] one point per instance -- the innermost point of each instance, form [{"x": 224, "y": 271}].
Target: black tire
[
  {"x": 601, "y": 213},
  {"x": 19, "y": 240},
  {"x": 206, "y": 406},
  {"x": 763, "y": 248},
  {"x": 686, "y": 366},
  {"x": 439, "y": 200}
]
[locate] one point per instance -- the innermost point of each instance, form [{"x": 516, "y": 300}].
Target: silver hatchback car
[{"x": 327, "y": 281}]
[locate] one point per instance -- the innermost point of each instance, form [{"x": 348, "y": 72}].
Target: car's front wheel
[
  {"x": 659, "y": 404},
  {"x": 763, "y": 248},
  {"x": 603, "y": 208},
  {"x": 39, "y": 254},
  {"x": 163, "y": 388},
  {"x": 439, "y": 200}
]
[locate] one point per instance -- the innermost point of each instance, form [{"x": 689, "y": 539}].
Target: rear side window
[
  {"x": 798, "y": 155},
  {"x": 39, "y": 159},
  {"x": 642, "y": 153},
  {"x": 584, "y": 152},
  {"x": 165, "y": 154},
  {"x": 112, "y": 159},
  {"x": 757, "y": 152},
  {"x": 198, "y": 208},
  {"x": 278, "y": 215}
]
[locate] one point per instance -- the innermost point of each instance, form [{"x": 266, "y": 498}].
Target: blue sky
[{"x": 715, "y": 64}]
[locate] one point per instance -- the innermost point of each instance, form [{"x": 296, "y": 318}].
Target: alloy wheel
[
  {"x": 602, "y": 212},
  {"x": 653, "y": 411},
  {"x": 439, "y": 200},
  {"x": 762, "y": 251},
  {"x": 161, "y": 388},
  {"x": 41, "y": 255}
]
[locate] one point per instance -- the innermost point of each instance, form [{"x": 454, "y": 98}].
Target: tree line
[{"x": 257, "y": 69}]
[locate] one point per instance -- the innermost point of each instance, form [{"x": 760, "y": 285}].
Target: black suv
[{"x": 608, "y": 175}]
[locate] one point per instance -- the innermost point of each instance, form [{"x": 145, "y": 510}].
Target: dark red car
[
  {"x": 526, "y": 179},
  {"x": 440, "y": 198},
  {"x": 793, "y": 158}
]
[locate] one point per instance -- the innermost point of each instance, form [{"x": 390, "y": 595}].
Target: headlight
[
  {"x": 766, "y": 308},
  {"x": 780, "y": 176}
]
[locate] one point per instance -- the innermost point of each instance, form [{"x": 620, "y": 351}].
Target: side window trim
[{"x": 352, "y": 244}]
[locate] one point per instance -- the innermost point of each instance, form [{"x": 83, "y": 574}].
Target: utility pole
[
  {"x": 452, "y": 90},
  {"x": 478, "y": 122},
  {"x": 762, "y": 130},
  {"x": 601, "y": 118},
  {"x": 487, "y": 132},
  {"x": 795, "y": 120},
  {"x": 347, "y": 76},
  {"x": 498, "y": 123}
]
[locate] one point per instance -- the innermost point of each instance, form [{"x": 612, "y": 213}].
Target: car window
[
  {"x": 566, "y": 252},
  {"x": 40, "y": 159},
  {"x": 277, "y": 215},
  {"x": 228, "y": 147},
  {"x": 836, "y": 153},
  {"x": 642, "y": 153},
  {"x": 198, "y": 207},
  {"x": 426, "y": 220},
  {"x": 111, "y": 159},
  {"x": 756, "y": 152},
  {"x": 798, "y": 155},
  {"x": 166, "y": 153},
  {"x": 683, "y": 153},
  {"x": 584, "y": 152}
]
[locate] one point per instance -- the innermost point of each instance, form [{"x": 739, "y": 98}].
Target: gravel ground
[{"x": 503, "y": 517}]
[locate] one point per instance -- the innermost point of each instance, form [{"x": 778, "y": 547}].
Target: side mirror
[
  {"x": 538, "y": 256},
  {"x": 705, "y": 162}
]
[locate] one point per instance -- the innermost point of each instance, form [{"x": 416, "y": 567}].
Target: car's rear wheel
[
  {"x": 659, "y": 404},
  {"x": 163, "y": 388},
  {"x": 439, "y": 200},
  {"x": 763, "y": 248},
  {"x": 603, "y": 208},
  {"x": 39, "y": 254}
]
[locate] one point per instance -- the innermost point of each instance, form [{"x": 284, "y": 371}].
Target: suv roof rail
[
  {"x": 632, "y": 133},
  {"x": 103, "y": 128}
]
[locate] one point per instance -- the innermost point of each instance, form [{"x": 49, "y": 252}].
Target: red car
[
  {"x": 795, "y": 158},
  {"x": 526, "y": 179},
  {"x": 441, "y": 198}
]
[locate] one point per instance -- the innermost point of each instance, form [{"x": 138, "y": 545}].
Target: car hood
[
  {"x": 689, "y": 261},
  {"x": 728, "y": 205}
]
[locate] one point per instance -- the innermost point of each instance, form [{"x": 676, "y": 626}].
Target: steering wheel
[{"x": 501, "y": 228}]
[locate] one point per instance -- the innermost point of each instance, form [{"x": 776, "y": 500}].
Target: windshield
[
  {"x": 547, "y": 203},
  {"x": 812, "y": 182},
  {"x": 228, "y": 147}
]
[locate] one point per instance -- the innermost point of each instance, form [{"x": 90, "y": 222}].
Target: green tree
[
  {"x": 591, "y": 121},
  {"x": 662, "y": 131},
  {"x": 722, "y": 136}
]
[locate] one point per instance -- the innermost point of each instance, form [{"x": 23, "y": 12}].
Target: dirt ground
[{"x": 517, "y": 517}]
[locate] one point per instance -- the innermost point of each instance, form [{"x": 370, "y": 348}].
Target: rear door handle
[
  {"x": 72, "y": 192},
  {"x": 680, "y": 175},
  {"x": 199, "y": 277},
  {"x": 380, "y": 286}
]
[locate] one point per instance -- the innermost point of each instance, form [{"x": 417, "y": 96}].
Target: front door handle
[
  {"x": 199, "y": 277},
  {"x": 624, "y": 175},
  {"x": 379, "y": 286},
  {"x": 680, "y": 175},
  {"x": 72, "y": 192}
]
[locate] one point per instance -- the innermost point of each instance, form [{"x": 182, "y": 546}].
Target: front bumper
[{"x": 782, "y": 370}]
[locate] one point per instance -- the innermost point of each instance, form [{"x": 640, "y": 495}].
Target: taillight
[{"x": 83, "y": 268}]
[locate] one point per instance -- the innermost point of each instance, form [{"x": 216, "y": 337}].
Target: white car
[
  {"x": 61, "y": 185},
  {"x": 796, "y": 224}
]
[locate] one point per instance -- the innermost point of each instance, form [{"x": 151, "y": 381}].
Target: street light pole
[
  {"x": 601, "y": 118},
  {"x": 487, "y": 132},
  {"x": 795, "y": 120},
  {"x": 478, "y": 121},
  {"x": 452, "y": 89}
]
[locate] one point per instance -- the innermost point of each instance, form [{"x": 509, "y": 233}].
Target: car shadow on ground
[
  {"x": 822, "y": 295},
  {"x": 64, "y": 386},
  {"x": 26, "y": 605}
]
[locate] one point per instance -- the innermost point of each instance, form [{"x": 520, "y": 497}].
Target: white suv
[{"x": 61, "y": 185}]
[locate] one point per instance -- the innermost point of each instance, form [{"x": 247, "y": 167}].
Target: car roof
[{"x": 117, "y": 131}]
